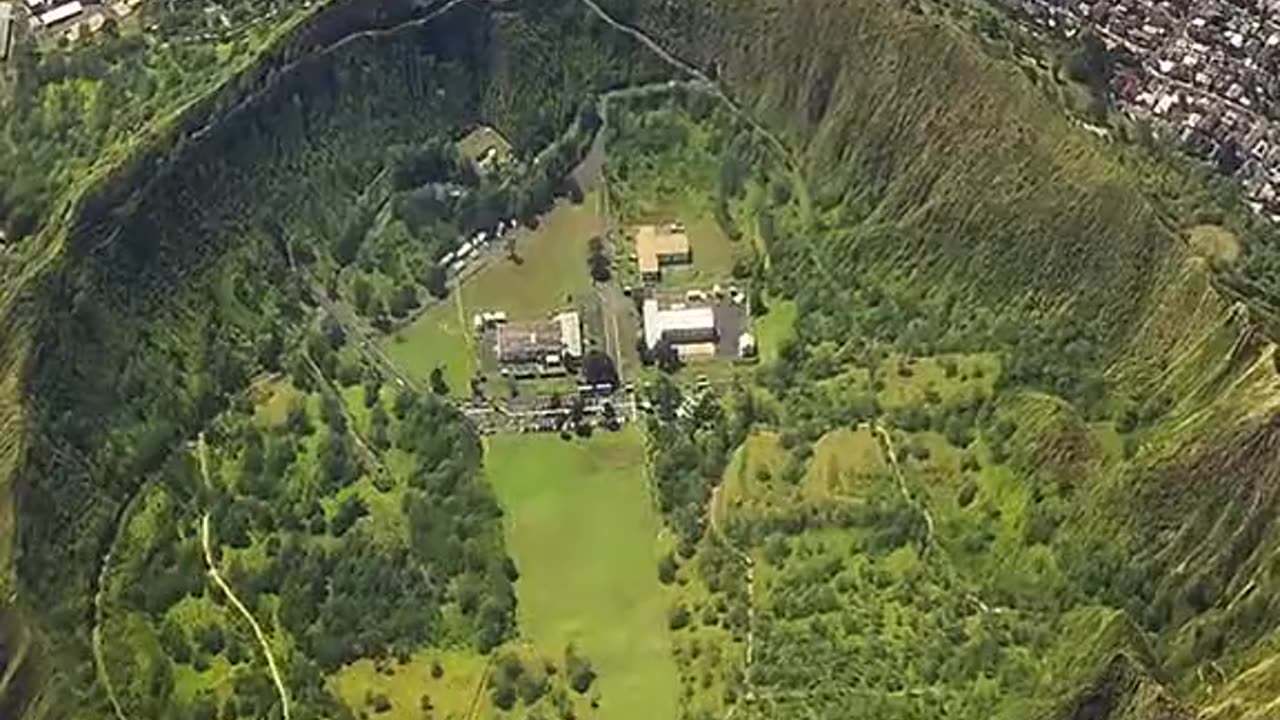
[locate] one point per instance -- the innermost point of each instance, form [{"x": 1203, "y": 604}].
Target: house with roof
[{"x": 659, "y": 246}]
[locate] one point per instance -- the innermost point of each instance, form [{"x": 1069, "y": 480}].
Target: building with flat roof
[
  {"x": 659, "y": 246},
  {"x": 61, "y": 13},
  {"x": 529, "y": 342},
  {"x": 540, "y": 347},
  {"x": 6, "y": 30},
  {"x": 570, "y": 333},
  {"x": 678, "y": 325}
]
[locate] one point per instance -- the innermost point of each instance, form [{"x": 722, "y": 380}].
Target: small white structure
[
  {"x": 746, "y": 345},
  {"x": 61, "y": 13},
  {"x": 6, "y": 29},
  {"x": 486, "y": 320},
  {"x": 570, "y": 333}
]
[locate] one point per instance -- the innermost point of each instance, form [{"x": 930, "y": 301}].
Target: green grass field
[
  {"x": 584, "y": 534},
  {"x": 775, "y": 328},
  {"x": 910, "y": 381},
  {"x": 439, "y": 337},
  {"x": 451, "y": 695},
  {"x": 551, "y": 272},
  {"x": 550, "y": 275}
]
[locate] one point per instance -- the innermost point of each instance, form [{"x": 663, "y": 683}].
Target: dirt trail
[
  {"x": 202, "y": 453},
  {"x": 100, "y": 662},
  {"x": 902, "y": 484},
  {"x": 99, "y": 659},
  {"x": 693, "y": 71}
]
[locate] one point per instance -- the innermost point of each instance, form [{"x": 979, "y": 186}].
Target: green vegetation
[
  {"x": 581, "y": 526},
  {"x": 667, "y": 165},
  {"x": 182, "y": 271},
  {"x": 449, "y": 681},
  {"x": 776, "y": 329},
  {"x": 1009, "y": 452},
  {"x": 545, "y": 273},
  {"x": 288, "y": 504}
]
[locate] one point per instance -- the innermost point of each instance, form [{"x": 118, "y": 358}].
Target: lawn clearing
[
  {"x": 551, "y": 271},
  {"x": 439, "y": 337},
  {"x": 450, "y": 695},
  {"x": 550, "y": 275},
  {"x": 775, "y": 328},
  {"x": 583, "y": 531}
]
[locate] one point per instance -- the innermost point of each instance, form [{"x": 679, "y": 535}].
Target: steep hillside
[
  {"x": 941, "y": 178},
  {"x": 169, "y": 283},
  {"x": 930, "y": 159},
  {"x": 1092, "y": 536}
]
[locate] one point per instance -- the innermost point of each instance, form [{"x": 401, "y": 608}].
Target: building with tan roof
[{"x": 658, "y": 246}]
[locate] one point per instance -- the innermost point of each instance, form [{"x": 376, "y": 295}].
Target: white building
[
  {"x": 61, "y": 13},
  {"x": 678, "y": 325},
  {"x": 6, "y": 29},
  {"x": 570, "y": 333}
]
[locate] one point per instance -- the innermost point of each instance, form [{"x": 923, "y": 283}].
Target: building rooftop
[
  {"x": 62, "y": 12},
  {"x": 570, "y": 333},
  {"x": 528, "y": 338},
  {"x": 658, "y": 321},
  {"x": 654, "y": 242},
  {"x": 6, "y": 29}
]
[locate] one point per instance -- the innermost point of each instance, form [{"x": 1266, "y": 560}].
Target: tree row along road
[{"x": 202, "y": 453}]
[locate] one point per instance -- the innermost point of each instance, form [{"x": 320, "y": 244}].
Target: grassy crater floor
[{"x": 584, "y": 533}]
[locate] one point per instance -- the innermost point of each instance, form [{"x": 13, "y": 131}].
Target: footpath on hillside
[{"x": 202, "y": 454}]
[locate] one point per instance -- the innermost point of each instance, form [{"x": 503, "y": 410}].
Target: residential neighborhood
[{"x": 1204, "y": 72}]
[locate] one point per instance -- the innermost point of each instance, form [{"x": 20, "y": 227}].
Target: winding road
[{"x": 202, "y": 453}]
